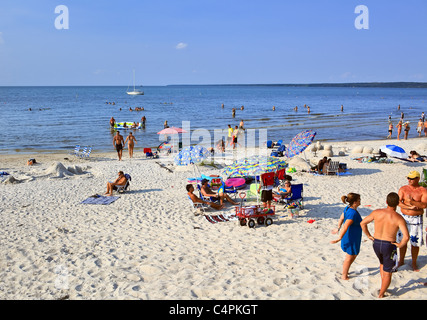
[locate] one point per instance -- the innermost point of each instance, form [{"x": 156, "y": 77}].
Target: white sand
[{"x": 149, "y": 245}]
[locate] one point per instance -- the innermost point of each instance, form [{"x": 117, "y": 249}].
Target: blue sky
[{"x": 211, "y": 42}]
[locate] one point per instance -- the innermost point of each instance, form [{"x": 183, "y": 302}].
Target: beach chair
[
  {"x": 331, "y": 168},
  {"x": 269, "y": 144},
  {"x": 86, "y": 152},
  {"x": 148, "y": 153},
  {"x": 296, "y": 199},
  {"x": 126, "y": 186},
  {"x": 423, "y": 180},
  {"x": 201, "y": 196},
  {"x": 76, "y": 151},
  {"x": 197, "y": 207}
]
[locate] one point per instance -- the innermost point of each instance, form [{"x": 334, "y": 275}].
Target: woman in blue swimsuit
[{"x": 351, "y": 234}]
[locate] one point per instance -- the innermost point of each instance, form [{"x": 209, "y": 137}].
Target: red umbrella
[{"x": 171, "y": 130}]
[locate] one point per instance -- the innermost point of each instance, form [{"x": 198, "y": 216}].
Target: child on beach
[{"x": 351, "y": 234}]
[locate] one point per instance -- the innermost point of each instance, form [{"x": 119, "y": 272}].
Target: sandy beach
[{"x": 148, "y": 244}]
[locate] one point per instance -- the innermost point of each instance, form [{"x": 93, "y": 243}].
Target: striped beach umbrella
[
  {"x": 254, "y": 166},
  {"x": 299, "y": 143}
]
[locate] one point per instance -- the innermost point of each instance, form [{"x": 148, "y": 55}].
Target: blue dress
[{"x": 350, "y": 243}]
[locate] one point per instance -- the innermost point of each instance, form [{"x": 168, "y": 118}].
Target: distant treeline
[{"x": 340, "y": 85}]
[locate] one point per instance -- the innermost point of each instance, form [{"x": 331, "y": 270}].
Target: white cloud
[{"x": 181, "y": 46}]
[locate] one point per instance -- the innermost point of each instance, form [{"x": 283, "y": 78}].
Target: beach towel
[
  {"x": 97, "y": 199},
  {"x": 220, "y": 218},
  {"x": 3, "y": 173}
]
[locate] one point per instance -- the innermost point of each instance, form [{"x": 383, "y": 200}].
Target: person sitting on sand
[
  {"x": 220, "y": 195},
  {"x": 196, "y": 199},
  {"x": 320, "y": 165},
  {"x": 120, "y": 181},
  {"x": 284, "y": 194},
  {"x": 415, "y": 157}
]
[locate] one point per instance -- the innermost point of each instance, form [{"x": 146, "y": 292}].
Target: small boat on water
[{"x": 135, "y": 92}]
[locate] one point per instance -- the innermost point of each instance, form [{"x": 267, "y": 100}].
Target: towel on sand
[
  {"x": 97, "y": 199},
  {"x": 220, "y": 217}
]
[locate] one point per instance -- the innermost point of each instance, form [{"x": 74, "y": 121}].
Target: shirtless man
[
  {"x": 207, "y": 192},
  {"x": 387, "y": 222},
  {"x": 196, "y": 199},
  {"x": 131, "y": 143},
  {"x": 120, "y": 181},
  {"x": 118, "y": 144},
  {"x": 413, "y": 201}
]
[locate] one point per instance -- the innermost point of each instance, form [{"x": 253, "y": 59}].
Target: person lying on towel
[
  {"x": 196, "y": 199},
  {"x": 120, "y": 181}
]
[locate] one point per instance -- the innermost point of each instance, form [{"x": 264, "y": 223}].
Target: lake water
[{"x": 62, "y": 117}]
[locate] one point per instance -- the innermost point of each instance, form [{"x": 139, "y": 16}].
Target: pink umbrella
[{"x": 171, "y": 130}]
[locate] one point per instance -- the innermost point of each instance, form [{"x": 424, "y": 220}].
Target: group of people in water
[{"x": 392, "y": 230}]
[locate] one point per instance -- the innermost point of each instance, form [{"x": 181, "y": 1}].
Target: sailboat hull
[{"x": 135, "y": 93}]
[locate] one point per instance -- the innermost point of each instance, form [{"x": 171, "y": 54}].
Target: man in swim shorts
[
  {"x": 118, "y": 144},
  {"x": 413, "y": 201},
  {"x": 387, "y": 222}
]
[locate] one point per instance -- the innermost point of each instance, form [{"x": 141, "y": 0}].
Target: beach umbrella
[
  {"x": 299, "y": 143},
  {"x": 191, "y": 155},
  {"x": 394, "y": 151},
  {"x": 171, "y": 130},
  {"x": 253, "y": 166}
]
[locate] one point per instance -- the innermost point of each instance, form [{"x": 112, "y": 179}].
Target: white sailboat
[{"x": 135, "y": 92}]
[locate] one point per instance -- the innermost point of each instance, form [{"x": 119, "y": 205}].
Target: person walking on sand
[
  {"x": 131, "y": 141},
  {"x": 118, "y": 144},
  {"x": 412, "y": 202},
  {"x": 351, "y": 234},
  {"x": 386, "y": 224},
  {"x": 399, "y": 129}
]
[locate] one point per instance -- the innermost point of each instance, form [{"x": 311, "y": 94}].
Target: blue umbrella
[
  {"x": 191, "y": 155},
  {"x": 394, "y": 151},
  {"x": 299, "y": 143}
]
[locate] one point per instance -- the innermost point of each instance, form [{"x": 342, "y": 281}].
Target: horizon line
[{"x": 409, "y": 84}]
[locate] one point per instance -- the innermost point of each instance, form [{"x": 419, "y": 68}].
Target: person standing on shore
[
  {"x": 131, "y": 143},
  {"x": 118, "y": 144},
  {"x": 390, "y": 129},
  {"x": 230, "y": 136},
  {"x": 399, "y": 129},
  {"x": 420, "y": 127},
  {"x": 351, "y": 234},
  {"x": 386, "y": 223},
  {"x": 407, "y": 127},
  {"x": 412, "y": 202}
]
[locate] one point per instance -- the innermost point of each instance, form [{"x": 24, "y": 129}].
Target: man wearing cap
[
  {"x": 207, "y": 192},
  {"x": 412, "y": 202}
]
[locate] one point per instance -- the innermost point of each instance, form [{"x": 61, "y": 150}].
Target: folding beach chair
[
  {"x": 331, "y": 168},
  {"x": 148, "y": 153},
  {"x": 86, "y": 152},
  {"x": 76, "y": 151},
  {"x": 126, "y": 186},
  {"x": 197, "y": 206},
  {"x": 296, "y": 199}
]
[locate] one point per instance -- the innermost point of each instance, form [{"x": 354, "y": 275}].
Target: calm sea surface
[{"x": 62, "y": 117}]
